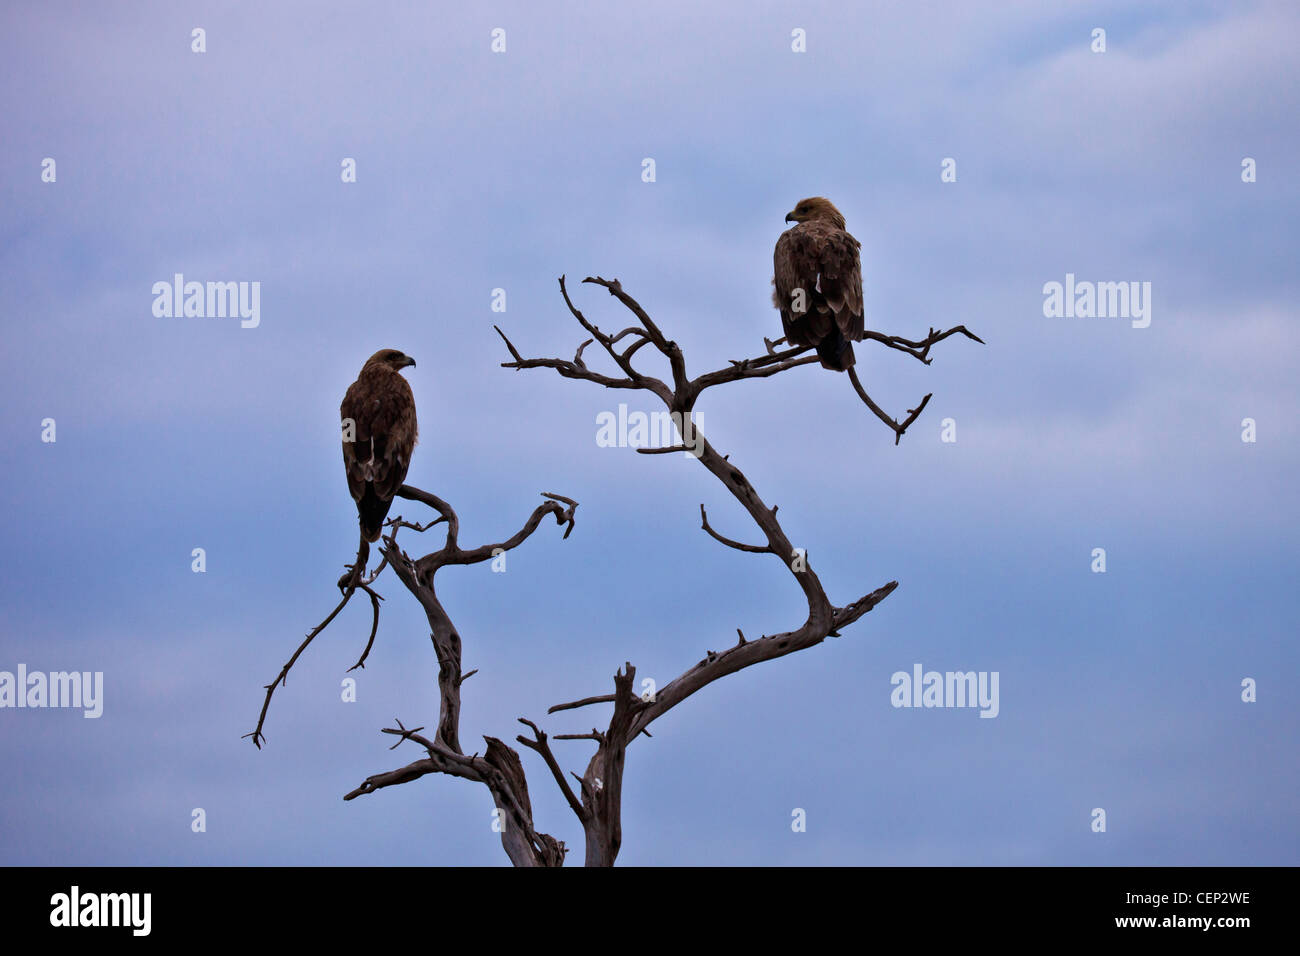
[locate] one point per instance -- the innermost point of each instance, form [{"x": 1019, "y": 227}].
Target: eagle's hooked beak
[
  {"x": 410, "y": 361},
  {"x": 789, "y": 217}
]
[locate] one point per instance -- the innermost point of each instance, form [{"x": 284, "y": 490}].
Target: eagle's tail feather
[
  {"x": 836, "y": 352},
  {"x": 372, "y": 510}
]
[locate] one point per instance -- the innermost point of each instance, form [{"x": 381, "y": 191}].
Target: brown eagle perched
[
  {"x": 819, "y": 283},
  {"x": 379, "y": 434}
]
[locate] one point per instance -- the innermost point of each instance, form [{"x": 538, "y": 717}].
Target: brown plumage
[
  {"x": 381, "y": 408},
  {"x": 817, "y": 267}
]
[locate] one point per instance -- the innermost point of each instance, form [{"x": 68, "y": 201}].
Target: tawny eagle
[
  {"x": 378, "y": 415},
  {"x": 819, "y": 283}
]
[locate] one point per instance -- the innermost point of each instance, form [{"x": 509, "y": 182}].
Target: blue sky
[{"x": 478, "y": 171}]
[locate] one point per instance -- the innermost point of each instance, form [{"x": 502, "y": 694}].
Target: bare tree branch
[
  {"x": 539, "y": 744},
  {"x": 348, "y": 583},
  {"x": 601, "y": 785},
  {"x": 920, "y": 350},
  {"x": 595, "y": 735},
  {"x": 751, "y": 548},
  {"x": 374, "y": 627},
  {"x": 600, "y": 699},
  {"x": 898, "y": 429},
  {"x": 648, "y": 329}
]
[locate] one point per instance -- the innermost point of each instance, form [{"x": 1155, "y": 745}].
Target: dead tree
[{"x": 598, "y": 799}]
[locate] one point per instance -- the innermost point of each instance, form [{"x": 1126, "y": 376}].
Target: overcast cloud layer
[{"x": 478, "y": 171}]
